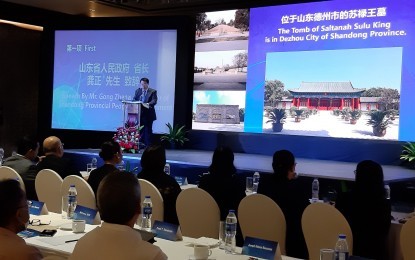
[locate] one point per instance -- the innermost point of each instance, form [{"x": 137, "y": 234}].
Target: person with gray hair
[{"x": 119, "y": 198}]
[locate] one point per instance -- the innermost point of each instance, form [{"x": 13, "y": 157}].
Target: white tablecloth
[{"x": 175, "y": 250}]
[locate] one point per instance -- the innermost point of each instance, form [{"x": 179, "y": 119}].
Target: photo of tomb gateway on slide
[
  {"x": 220, "y": 70},
  {"x": 349, "y": 93}
]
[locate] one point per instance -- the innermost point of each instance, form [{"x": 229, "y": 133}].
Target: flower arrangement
[{"x": 128, "y": 138}]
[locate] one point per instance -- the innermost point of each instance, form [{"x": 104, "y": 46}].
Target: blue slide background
[
  {"x": 266, "y": 21},
  {"x": 91, "y": 100}
]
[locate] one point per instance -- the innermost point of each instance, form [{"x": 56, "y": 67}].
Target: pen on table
[{"x": 69, "y": 241}]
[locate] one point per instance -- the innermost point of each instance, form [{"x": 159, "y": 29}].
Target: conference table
[{"x": 56, "y": 245}]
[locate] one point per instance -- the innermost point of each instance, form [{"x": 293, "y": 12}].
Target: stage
[{"x": 193, "y": 163}]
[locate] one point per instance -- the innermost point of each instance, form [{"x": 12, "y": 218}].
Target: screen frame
[{"x": 183, "y": 25}]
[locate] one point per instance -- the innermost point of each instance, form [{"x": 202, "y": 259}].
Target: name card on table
[
  {"x": 37, "y": 207},
  {"x": 167, "y": 231},
  {"x": 259, "y": 248},
  {"x": 181, "y": 180},
  {"x": 85, "y": 213},
  {"x": 28, "y": 233}
]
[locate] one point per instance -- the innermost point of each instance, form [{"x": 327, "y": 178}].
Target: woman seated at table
[
  {"x": 112, "y": 155},
  {"x": 223, "y": 184},
  {"x": 292, "y": 196},
  {"x": 368, "y": 211},
  {"x": 153, "y": 161}
]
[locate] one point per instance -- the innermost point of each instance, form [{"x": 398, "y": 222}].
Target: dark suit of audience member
[
  {"x": 23, "y": 163},
  {"x": 223, "y": 184},
  {"x": 292, "y": 196},
  {"x": 53, "y": 149},
  {"x": 148, "y": 115},
  {"x": 153, "y": 161},
  {"x": 112, "y": 155},
  {"x": 367, "y": 211}
]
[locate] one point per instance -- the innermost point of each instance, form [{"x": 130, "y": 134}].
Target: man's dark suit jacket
[
  {"x": 151, "y": 99},
  {"x": 60, "y": 165}
]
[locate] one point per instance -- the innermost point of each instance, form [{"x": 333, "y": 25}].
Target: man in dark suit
[
  {"x": 23, "y": 163},
  {"x": 53, "y": 149},
  {"x": 148, "y": 114}
]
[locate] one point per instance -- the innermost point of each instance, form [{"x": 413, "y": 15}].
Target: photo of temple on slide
[{"x": 306, "y": 93}]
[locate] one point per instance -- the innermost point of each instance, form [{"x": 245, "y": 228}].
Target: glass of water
[{"x": 249, "y": 185}]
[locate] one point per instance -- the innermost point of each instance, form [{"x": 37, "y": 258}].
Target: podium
[{"x": 132, "y": 112}]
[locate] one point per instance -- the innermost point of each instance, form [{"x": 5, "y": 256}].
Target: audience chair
[
  {"x": 407, "y": 239},
  {"x": 48, "y": 189},
  {"x": 148, "y": 189},
  {"x": 9, "y": 173},
  {"x": 198, "y": 213},
  {"x": 85, "y": 197},
  {"x": 260, "y": 217},
  {"x": 322, "y": 224}
]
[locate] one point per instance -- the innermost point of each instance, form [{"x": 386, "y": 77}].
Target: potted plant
[
  {"x": 392, "y": 114},
  {"x": 277, "y": 118},
  {"x": 354, "y": 115},
  {"x": 346, "y": 114},
  {"x": 175, "y": 136},
  {"x": 298, "y": 113},
  {"x": 408, "y": 154},
  {"x": 379, "y": 121}
]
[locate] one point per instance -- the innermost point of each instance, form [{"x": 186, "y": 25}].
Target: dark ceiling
[{"x": 119, "y": 8}]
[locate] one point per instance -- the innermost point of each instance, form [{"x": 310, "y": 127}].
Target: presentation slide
[
  {"x": 336, "y": 68},
  {"x": 94, "y": 70},
  {"x": 330, "y": 59}
]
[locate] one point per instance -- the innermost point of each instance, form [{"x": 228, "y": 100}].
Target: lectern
[{"x": 132, "y": 112}]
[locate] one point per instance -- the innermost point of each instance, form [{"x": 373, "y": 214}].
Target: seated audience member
[
  {"x": 368, "y": 211},
  {"x": 112, "y": 155},
  {"x": 291, "y": 195},
  {"x": 119, "y": 198},
  {"x": 23, "y": 163},
  {"x": 223, "y": 184},
  {"x": 53, "y": 149},
  {"x": 13, "y": 219},
  {"x": 153, "y": 161}
]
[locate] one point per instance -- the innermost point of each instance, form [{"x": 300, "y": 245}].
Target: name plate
[
  {"x": 28, "y": 233},
  {"x": 259, "y": 248},
  {"x": 167, "y": 231},
  {"x": 181, "y": 180},
  {"x": 85, "y": 213},
  {"x": 37, "y": 207}
]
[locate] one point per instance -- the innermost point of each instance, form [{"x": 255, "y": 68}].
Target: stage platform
[{"x": 193, "y": 163}]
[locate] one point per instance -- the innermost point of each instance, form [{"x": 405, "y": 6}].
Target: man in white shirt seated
[
  {"x": 119, "y": 198},
  {"x": 14, "y": 216}
]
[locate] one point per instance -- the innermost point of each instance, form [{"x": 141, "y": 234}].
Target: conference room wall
[
  {"x": 19, "y": 66},
  {"x": 183, "y": 81}
]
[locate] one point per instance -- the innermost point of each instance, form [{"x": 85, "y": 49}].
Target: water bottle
[
  {"x": 167, "y": 169},
  {"x": 315, "y": 190},
  {"x": 146, "y": 214},
  {"x": 255, "y": 180},
  {"x": 230, "y": 232},
  {"x": 387, "y": 192},
  {"x": 94, "y": 163},
  {"x": 341, "y": 249},
  {"x": 72, "y": 202},
  {"x": 1, "y": 156}
]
